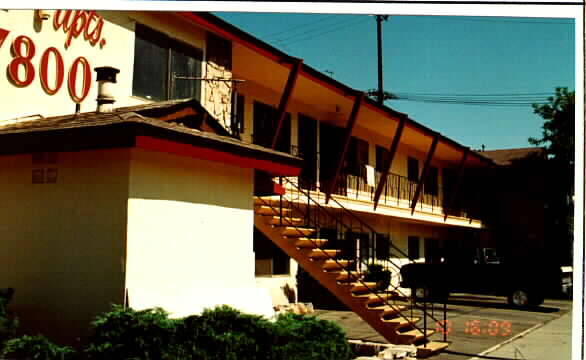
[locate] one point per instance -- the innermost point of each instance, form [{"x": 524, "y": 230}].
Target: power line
[
  {"x": 342, "y": 25},
  {"x": 511, "y": 21},
  {"x": 295, "y": 27}
]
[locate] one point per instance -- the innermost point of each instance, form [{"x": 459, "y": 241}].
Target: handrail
[{"x": 368, "y": 227}]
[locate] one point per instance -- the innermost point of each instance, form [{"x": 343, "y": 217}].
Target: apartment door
[
  {"x": 307, "y": 135},
  {"x": 330, "y": 145},
  {"x": 433, "y": 250}
]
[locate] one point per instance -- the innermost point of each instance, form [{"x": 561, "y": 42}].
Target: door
[{"x": 307, "y": 130}]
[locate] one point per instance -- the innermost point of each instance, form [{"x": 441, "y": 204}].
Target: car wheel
[{"x": 519, "y": 298}]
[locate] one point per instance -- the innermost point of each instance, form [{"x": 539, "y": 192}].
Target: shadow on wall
[{"x": 311, "y": 291}]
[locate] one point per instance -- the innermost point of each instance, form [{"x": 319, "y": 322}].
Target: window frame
[{"x": 171, "y": 46}]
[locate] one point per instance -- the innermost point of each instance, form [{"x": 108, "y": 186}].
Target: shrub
[
  {"x": 8, "y": 322},
  {"x": 300, "y": 337},
  {"x": 36, "y": 347},
  {"x": 224, "y": 333},
  {"x": 130, "y": 334},
  {"x": 376, "y": 273}
]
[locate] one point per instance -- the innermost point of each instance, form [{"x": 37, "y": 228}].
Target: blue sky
[{"x": 436, "y": 55}]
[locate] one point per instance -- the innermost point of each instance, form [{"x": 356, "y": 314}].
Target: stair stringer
[{"x": 357, "y": 305}]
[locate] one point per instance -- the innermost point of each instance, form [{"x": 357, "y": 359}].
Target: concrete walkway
[{"x": 552, "y": 340}]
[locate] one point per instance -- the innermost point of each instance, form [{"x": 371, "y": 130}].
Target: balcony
[{"x": 396, "y": 198}]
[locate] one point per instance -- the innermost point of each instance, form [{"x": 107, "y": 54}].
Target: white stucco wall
[
  {"x": 62, "y": 243},
  {"x": 190, "y": 225}
]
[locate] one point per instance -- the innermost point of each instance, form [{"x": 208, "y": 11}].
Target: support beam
[
  {"x": 424, "y": 172},
  {"x": 460, "y": 177},
  {"x": 351, "y": 121},
  {"x": 387, "y": 165},
  {"x": 282, "y": 110}
]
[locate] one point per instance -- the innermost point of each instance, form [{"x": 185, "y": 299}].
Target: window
[
  {"x": 237, "y": 113},
  {"x": 412, "y": 169},
  {"x": 219, "y": 51},
  {"x": 413, "y": 247},
  {"x": 382, "y": 247},
  {"x": 164, "y": 68},
  {"x": 357, "y": 157},
  {"x": 382, "y": 156},
  {"x": 265, "y": 126}
]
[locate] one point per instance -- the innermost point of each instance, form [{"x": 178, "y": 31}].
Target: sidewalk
[{"x": 550, "y": 341}]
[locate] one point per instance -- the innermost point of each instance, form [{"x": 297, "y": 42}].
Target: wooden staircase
[{"x": 382, "y": 311}]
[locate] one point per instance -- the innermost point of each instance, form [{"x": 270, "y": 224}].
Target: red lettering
[
  {"x": 21, "y": 59},
  {"x": 72, "y": 80},
  {"x": 43, "y": 71},
  {"x": 58, "y": 22},
  {"x": 3, "y": 35},
  {"x": 77, "y": 26}
]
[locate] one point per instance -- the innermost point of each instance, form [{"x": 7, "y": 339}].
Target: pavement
[
  {"x": 552, "y": 340},
  {"x": 542, "y": 334}
]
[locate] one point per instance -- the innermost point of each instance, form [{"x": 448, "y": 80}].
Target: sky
[{"x": 456, "y": 56}]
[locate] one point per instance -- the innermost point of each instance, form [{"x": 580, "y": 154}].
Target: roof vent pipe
[{"x": 106, "y": 78}]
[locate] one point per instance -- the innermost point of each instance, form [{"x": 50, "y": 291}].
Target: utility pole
[{"x": 379, "y": 32}]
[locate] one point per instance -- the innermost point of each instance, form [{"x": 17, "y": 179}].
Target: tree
[
  {"x": 558, "y": 128},
  {"x": 558, "y": 137}
]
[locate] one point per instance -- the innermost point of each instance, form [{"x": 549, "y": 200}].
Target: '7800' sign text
[{"x": 24, "y": 51}]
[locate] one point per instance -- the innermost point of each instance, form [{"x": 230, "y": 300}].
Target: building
[{"x": 156, "y": 202}]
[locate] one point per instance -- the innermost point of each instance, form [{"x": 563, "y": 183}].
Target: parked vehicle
[{"x": 521, "y": 282}]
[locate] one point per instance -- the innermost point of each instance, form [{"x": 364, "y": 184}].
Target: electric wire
[
  {"x": 341, "y": 25},
  {"x": 295, "y": 27}
]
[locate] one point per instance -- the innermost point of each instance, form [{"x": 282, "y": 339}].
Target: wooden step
[
  {"x": 330, "y": 265},
  {"x": 323, "y": 253},
  {"x": 292, "y": 231},
  {"x": 414, "y": 335},
  {"x": 388, "y": 310},
  {"x": 378, "y": 298},
  {"x": 285, "y": 220},
  {"x": 345, "y": 276},
  {"x": 400, "y": 322},
  {"x": 363, "y": 287},
  {"x": 308, "y": 243},
  {"x": 267, "y": 210},
  {"x": 431, "y": 348}
]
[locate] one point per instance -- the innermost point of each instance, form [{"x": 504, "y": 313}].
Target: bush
[
  {"x": 376, "y": 273},
  {"x": 224, "y": 333},
  {"x": 300, "y": 337},
  {"x": 130, "y": 334},
  {"x": 8, "y": 322},
  {"x": 36, "y": 347}
]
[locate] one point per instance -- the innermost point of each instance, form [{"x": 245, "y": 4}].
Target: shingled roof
[
  {"x": 506, "y": 157},
  {"x": 183, "y": 122}
]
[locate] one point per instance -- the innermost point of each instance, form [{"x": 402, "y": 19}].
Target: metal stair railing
[{"x": 346, "y": 222}]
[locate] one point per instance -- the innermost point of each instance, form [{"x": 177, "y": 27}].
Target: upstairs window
[
  {"x": 265, "y": 127},
  {"x": 382, "y": 156},
  {"x": 357, "y": 157},
  {"x": 431, "y": 181},
  {"x": 164, "y": 68}
]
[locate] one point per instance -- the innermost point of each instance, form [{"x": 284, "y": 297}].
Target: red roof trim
[{"x": 198, "y": 152}]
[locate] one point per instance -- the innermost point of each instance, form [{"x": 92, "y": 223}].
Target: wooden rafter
[
  {"x": 282, "y": 110},
  {"x": 350, "y": 125},
  {"x": 424, "y": 172},
  {"x": 389, "y": 161}
]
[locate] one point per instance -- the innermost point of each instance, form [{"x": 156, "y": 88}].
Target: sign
[{"x": 24, "y": 51}]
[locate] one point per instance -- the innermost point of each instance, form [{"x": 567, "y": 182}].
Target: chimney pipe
[{"x": 106, "y": 77}]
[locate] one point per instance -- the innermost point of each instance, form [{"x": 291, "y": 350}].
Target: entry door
[
  {"x": 308, "y": 151},
  {"x": 433, "y": 250}
]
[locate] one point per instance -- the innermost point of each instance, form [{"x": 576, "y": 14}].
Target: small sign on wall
[{"x": 44, "y": 174}]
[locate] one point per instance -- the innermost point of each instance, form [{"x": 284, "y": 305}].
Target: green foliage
[
  {"x": 224, "y": 333},
  {"x": 36, "y": 347},
  {"x": 558, "y": 127},
  {"x": 130, "y": 334},
  {"x": 300, "y": 337},
  {"x": 376, "y": 273},
  {"x": 8, "y": 322}
]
